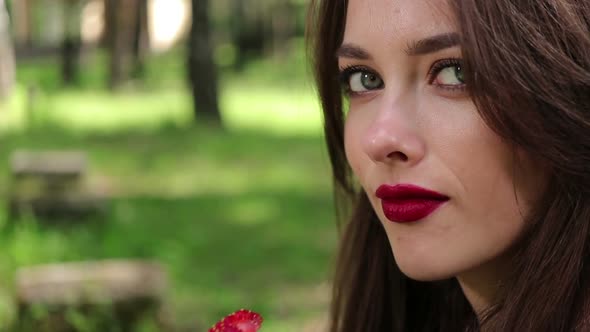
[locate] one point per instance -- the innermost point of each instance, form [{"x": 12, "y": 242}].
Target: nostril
[{"x": 398, "y": 155}]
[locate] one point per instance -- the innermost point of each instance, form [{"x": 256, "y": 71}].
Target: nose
[{"x": 393, "y": 138}]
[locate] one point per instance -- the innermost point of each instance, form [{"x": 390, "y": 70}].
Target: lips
[{"x": 404, "y": 203}]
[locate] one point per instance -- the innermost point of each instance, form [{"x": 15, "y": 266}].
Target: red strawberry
[
  {"x": 239, "y": 321},
  {"x": 225, "y": 328}
]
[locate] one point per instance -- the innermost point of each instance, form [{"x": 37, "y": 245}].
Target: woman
[{"x": 463, "y": 144}]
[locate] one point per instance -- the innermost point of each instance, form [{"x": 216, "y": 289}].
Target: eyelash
[
  {"x": 347, "y": 72},
  {"x": 435, "y": 69},
  {"x": 438, "y": 66}
]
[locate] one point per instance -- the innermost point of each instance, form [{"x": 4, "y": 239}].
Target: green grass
[
  {"x": 270, "y": 95},
  {"x": 269, "y": 109},
  {"x": 240, "y": 218}
]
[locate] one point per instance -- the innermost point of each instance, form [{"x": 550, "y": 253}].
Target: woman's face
[{"x": 411, "y": 124}]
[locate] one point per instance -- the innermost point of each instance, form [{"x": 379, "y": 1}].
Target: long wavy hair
[{"x": 527, "y": 65}]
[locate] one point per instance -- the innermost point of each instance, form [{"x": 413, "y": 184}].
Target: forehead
[{"x": 396, "y": 20}]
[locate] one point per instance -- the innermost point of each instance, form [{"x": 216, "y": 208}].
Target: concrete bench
[
  {"x": 51, "y": 184},
  {"x": 128, "y": 291},
  {"x": 66, "y": 164}
]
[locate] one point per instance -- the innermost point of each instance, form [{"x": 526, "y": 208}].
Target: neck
[
  {"x": 480, "y": 295},
  {"x": 480, "y": 286}
]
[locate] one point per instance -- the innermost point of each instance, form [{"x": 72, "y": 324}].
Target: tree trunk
[
  {"x": 238, "y": 23},
  {"x": 112, "y": 10},
  {"x": 283, "y": 27},
  {"x": 7, "y": 60},
  {"x": 72, "y": 43},
  {"x": 120, "y": 17},
  {"x": 22, "y": 22},
  {"x": 202, "y": 70},
  {"x": 141, "y": 38},
  {"x": 247, "y": 26}
]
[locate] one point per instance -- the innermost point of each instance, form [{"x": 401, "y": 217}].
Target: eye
[
  {"x": 450, "y": 76},
  {"x": 447, "y": 74},
  {"x": 357, "y": 80},
  {"x": 364, "y": 81}
]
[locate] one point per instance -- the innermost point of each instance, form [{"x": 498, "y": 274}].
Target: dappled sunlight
[
  {"x": 257, "y": 229},
  {"x": 239, "y": 217},
  {"x": 92, "y": 23},
  {"x": 14, "y": 110},
  {"x": 271, "y": 265},
  {"x": 100, "y": 111},
  {"x": 252, "y": 212},
  {"x": 169, "y": 22},
  {"x": 197, "y": 175},
  {"x": 104, "y": 112},
  {"x": 280, "y": 111}
]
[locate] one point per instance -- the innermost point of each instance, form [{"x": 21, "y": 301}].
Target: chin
[
  {"x": 426, "y": 275},
  {"x": 421, "y": 270}
]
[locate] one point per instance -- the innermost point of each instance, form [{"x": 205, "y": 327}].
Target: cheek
[
  {"x": 490, "y": 191},
  {"x": 496, "y": 180},
  {"x": 500, "y": 185},
  {"x": 492, "y": 186}
]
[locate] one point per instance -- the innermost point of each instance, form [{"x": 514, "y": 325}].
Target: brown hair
[{"x": 527, "y": 65}]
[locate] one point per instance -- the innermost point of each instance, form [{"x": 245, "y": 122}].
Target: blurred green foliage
[
  {"x": 241, "y": 218},
  {"x": 273, "y": 95}
]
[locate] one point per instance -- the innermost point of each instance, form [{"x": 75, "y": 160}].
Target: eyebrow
[
  {"x": 420, "y": 47},
  {"x": 353, "y": 52},
  {"x": 433, "y": 44}
]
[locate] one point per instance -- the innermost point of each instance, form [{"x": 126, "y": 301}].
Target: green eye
[
  {"x": 359, "y": 79},
  {"x": 364, "y": 81},
  {"x": 447, "y": 74},
  {"x": 452, "y": 75}
]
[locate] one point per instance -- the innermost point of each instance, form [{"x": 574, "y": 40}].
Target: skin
[{"x": 421, "y": 127}]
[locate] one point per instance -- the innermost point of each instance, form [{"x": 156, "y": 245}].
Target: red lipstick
[{"x": 405, "y": 203}]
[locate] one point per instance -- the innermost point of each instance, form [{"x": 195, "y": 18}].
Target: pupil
[
  {"x": 459, "y": 74},
  {"x": 370, "y": 80}
]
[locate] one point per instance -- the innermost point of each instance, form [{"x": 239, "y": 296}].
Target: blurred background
[{"x": 161, "y": 166}]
